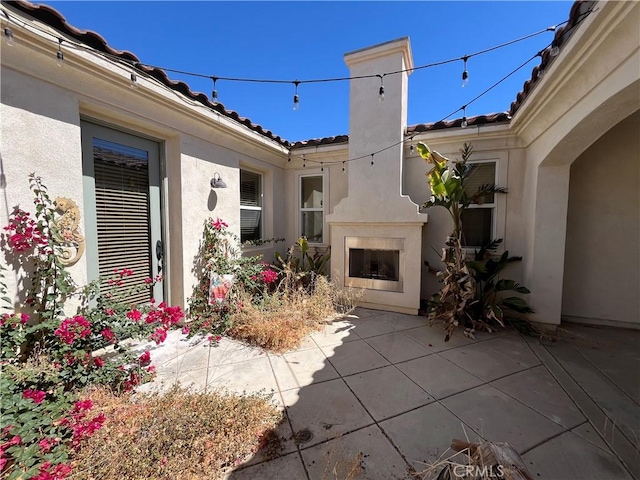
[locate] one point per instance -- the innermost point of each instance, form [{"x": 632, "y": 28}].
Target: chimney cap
[{"x": 382, "y": 50}]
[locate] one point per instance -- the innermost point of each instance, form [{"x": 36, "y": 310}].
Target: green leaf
[
  {"x": 517, "y": 304},
  {"x": 424, "y": 151}
]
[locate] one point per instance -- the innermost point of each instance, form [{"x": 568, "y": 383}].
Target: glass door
[{"x": 121, "y": 180}]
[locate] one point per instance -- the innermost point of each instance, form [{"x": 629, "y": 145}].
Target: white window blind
[
  {"x": 312, "y": 208},
  {"x": 122, "y": 208},
  {"x": 250, "y": 206},
  {"x": 478, "y": 219}
]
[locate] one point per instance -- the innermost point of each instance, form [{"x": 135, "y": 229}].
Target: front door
[{"x": 121, "y": 180}]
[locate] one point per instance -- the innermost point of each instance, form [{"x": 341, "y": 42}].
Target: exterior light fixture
[
  {"x": 217, "y": 182},
  {"x": 554, "y": 51},
  {"x": 134, "y": 80}
]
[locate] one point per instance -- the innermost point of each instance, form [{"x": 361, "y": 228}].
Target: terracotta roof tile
[
  {"x": 579, "y": 10},
  {"x": 55, "y": 19}
]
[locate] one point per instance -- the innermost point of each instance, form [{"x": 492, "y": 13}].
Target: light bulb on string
[
  {"x": 214, "y": 93},
  {"x": 8, "y": 36},
  {"x": 134, "y": 80},
  {"x": 321, "y": 166},
  {"x": 372, "y": 160},
  {"x": 8, "y": 33},
  {"x": 289, "y": 157},
  {"x": 296, "y": 98},
  {"x": 59, "y": 54},
  {"x": 381, "y": 89},
  {"x": 464, "y": 122},
  {"x": 304, "y": 162},
  {"x": 465, "y": 73},
  {"x": 411, "y": 148},
  {"x": 343, "y": 167}
]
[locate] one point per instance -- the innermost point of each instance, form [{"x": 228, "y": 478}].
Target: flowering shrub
[
  {"x": 219, "y": 253},
  {"x": 48, "y": 358}
]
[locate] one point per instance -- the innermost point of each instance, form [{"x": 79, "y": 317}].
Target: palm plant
[{"x": 470, "y": 292}]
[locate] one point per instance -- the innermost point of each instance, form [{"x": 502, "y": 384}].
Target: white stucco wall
[
  {"x": 41, "y": 109},
  {"x": 499, "y": 145},
  {"x": 40, "y": 132},
  {"x": 602, "y": 255}
]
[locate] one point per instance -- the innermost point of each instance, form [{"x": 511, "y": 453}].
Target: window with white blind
[
  {"x": 312, "y": 208},
  {"x": 122, "y": 208},
  {"x": 250, "y": 206},
  {"x": 478, "y": 220}
]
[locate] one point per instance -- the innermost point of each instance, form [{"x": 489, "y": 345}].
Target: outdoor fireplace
[{"x": 374, "y": 263}]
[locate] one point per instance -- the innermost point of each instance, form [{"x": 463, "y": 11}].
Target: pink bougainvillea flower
[
  {"x": 268, "y": 276},
  {"x": 72, "y": 329},
  {"x": 218, "y": 224},
  {"x": 109, "y": 311},
  {"x": 24, "y": 318},
  {"x": 159, "y": 336},
  {"x": 148, "y": 280},
  {"x": 134, "y": 314},
  {"x": 108, "y": 335},
  {"x": 45, "y": 445},
  {"x": 98, "y": 362},
  {"x": 36, "y": 395},
  {"x": 145, "y": 358},
  {"x": 151, "y": 369},
  {"x": 185, "y": 330}
]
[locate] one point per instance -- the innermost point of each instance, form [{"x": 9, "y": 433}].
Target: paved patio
[{"x": 382, "y": 392}]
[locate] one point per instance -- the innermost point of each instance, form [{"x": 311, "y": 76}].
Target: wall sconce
[{"x": 217, "y": 182}]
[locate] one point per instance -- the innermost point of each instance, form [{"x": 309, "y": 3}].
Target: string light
[
  {"x": 381, "y": 90},
  {"x": 553, "y": 51},
  {"x": 8, "y": 33},
  {"x": 214, "y": 93},
  {"x": 465, "y": 74},
  {"x": 411, "y": 148},
  {"x": 134, "y": 80},
  {"x": 289, "y": 157},
  {"x": 304, "y": 162},
  {"x": 464, "y": 123},
  {"x": 296, "y": 98},
  {"x": 59, "y": 54}
]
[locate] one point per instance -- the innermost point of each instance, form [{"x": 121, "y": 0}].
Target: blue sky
[{"x": 302, "y": 40}]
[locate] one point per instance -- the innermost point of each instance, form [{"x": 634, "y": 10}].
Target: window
[
  {"x": 312, "y": 208},
  {"x": 250, "y": 206},
  {"x": 478, "y": 219}
]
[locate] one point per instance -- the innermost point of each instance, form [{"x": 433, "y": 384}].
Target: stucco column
[{"x": 544, "y": 266}]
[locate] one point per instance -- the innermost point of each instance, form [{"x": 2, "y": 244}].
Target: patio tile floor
[{"x": 384, "y": 393}]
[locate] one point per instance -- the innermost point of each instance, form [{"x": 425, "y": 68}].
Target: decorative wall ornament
[{"x": 70, "y": 241}]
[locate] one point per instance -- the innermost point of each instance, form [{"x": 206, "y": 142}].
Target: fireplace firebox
[{"x": 374, "y": 263}]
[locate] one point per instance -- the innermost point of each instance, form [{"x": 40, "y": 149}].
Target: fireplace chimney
[{"x": 375, "y": 217}]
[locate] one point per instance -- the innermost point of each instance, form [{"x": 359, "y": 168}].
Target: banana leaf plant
[
  {"x": 299, "y": 265},
  {"x": 461, "y": 301}
]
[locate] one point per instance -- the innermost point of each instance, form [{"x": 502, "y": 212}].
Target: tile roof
[
  {"x": 579, "y": 10},
  {"x": 55, "y": 19}
]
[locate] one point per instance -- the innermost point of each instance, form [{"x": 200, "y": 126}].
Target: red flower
[
  {"x": 145, "y": 358},
  {"x": 45, "y": 445},
  {"x": 268, "y": 276},
  {"x": 108, "y": 335},
  {"x": 24, "y": 318},
  {"x": 72, "y": 329},
  {"x": 98, "y": 362},
  {"x": 148, "y": 280},
  {"x": 185, "y": 330},
  {"x": 36, "y": 395},
  {"x": 159, "y": 336},
  {"x": 134, "y": 314},
  {"x": 219, "y": 224}
]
